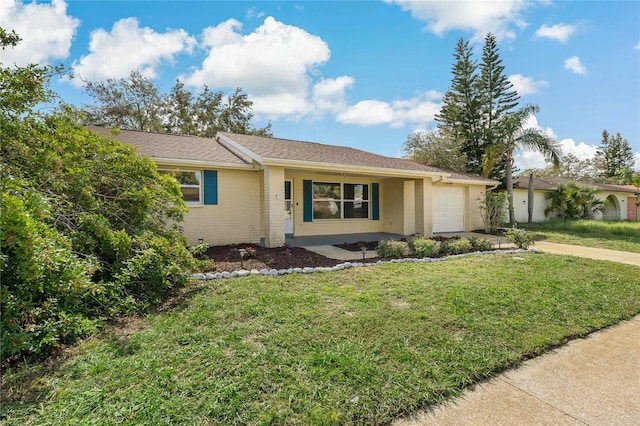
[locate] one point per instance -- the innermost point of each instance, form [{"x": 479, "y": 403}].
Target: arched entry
[{"x": 611, "y": 208}]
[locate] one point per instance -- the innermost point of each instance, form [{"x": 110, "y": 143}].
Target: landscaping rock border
[{"x": 345, "y": 265}]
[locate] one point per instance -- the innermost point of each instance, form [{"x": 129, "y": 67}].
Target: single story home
[
  {"x": 620, "y": 202},
  {"x": 253, "y": 189}
]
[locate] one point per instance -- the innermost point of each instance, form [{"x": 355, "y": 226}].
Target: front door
[{"x": 288, "y": 207}]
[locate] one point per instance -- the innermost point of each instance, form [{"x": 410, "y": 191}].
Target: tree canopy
[
  {"x": 434, "y": 149},
  {"x": 136, "y": 103}
]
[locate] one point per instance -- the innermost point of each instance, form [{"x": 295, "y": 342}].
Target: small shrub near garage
[
  {"x": 480, "y": 244},
  {"x": 519, "y": 237},
  {"x": 391, "y": 249},
  {"x": 456, "y": 246},
  {"x": 424, "y": 247}
]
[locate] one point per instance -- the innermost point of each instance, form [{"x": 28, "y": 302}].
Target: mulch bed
[
  {"x": 357, "y": 246},
  {"x": 227, "y": 258}
]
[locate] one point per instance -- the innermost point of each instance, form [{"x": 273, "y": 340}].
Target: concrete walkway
[
  {"x": 589, "y": 252},
  {"x": 591, "y": 381}
]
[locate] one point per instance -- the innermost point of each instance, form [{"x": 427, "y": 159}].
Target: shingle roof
[
  {"x": 176, "y": 147},
  {"x": 287, "y": 149},
  {"x": 192, "y": 148},
  {"x": 550, "y": 183}
]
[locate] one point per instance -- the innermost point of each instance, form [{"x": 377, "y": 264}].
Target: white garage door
[{"x": 448, "y": 209}]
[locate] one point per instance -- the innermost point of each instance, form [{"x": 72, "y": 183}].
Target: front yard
[
  {"x": 624, "y": 236},
  {"x": 360, "y": 346}
]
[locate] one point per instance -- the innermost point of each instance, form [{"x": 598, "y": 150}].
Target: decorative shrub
[
  {"x": 519, "y": 237},
  {"x": 480, "y": 244},
  {"x": 424, "y": 247},
  {"x": 391, "y": 249},
  {"x": 456, "y": 246}
]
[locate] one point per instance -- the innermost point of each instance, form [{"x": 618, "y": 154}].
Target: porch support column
[
  {"x": 409, "y": 222},
  {"x": 423, "y": 207},
  {"x": 273, "y": 206}
]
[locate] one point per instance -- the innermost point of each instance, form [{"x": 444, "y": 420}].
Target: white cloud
[
  {"x": 560, "y": 32},
  {"x": 532, "y": 122},
  {"x": 532, "y": 159},
  {"x": 418, "y": 111},
  {"x": 252, "y": 12},
  {"x": 274, "y": 65},
  {"x": 480, "y": 17},
  {"x": 638, "y": 46},
  {"x": 46, "y": 31},
  {"x": 367, "y": 113},
  {"x": 574, "y": 65},
  {"x": 128, "y": 47},
  {"x": 526, "y": 85},
  {"x": 328, "y": 95},
  {"x": 638, "y": 161}
]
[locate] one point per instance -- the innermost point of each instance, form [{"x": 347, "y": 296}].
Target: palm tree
[
  {"x": 574, "y": 202},
  {"x": 514, "y": 136}
]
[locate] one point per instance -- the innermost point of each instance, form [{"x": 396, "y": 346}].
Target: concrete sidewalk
[
  {"x": 590, "y": 381},
  {"x": 589, "y": 252}
]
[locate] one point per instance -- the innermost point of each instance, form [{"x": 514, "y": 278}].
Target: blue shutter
[
  {"x": 210, "y": 182},
  {"x": 375, "y": 201},
  {"x": 307, "y": 200}
]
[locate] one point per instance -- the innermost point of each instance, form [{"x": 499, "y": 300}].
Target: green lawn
[
  {"x": 361, "y": 346},
  {"x": 624, "y": 236}
]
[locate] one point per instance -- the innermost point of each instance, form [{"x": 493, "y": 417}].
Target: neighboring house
[
  {"x": 251, "y": 189},
  {"x": 620, "y": 202}
]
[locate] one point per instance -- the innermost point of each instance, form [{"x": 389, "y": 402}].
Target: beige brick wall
[
  {"x": 427, "y": 190},
  {"x": 409, "y": 207},
  {"x": 391, "y": 209},
  {"x": 473, "y": 218},
  {"x": 236, "y": 217},
  {"x": 273, "y": 184}
]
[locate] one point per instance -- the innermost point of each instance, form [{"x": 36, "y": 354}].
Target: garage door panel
[{"x": 448, "y": 209}]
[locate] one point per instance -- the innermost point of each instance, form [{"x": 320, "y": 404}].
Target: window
[
  {"x": 190, "y": 184},
  {"x": 340, "y": 201}
]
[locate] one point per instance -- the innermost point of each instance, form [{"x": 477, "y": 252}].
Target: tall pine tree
[
  {"x": 614, "y": 155},
  {"x": 460, "y": 116},
  {"x": 497, "y": 96},
  {"x": 476, "y": 103}
]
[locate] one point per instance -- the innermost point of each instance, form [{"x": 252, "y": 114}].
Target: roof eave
[
  {"x": 348, "y": 168},
  {"x": 164, "y": 162}
]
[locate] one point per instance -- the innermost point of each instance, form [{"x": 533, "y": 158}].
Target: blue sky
[{"x": 364, "y": 74}]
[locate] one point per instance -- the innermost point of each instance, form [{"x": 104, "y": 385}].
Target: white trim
[
  {"x": 172, "y": 162},
  {"x": 349, "y": 168},
  {"x": 244, "y": 153}
]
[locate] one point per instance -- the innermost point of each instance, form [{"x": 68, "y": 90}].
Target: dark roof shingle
[
  {"x": 550, "y": 183},
  {"x": 287, "y": 149},
  {"x": 176, "y": 147}
]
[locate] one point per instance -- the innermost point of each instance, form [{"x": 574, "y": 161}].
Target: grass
[
  {"x": 624, "y": 236},
  {"x": 362, "y": 346}
]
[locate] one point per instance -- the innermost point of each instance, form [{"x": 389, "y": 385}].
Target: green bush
[
  {"x": 424, "y": 247},
  {"x": 391, "y": 249},
  {"x": 519, "y": 237},
  {"x": 88, "y": 229},
  {"x": 480, "y": 244},
  {"x": 45, "y": 287},
  {"x": 456, "y": 246}
]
